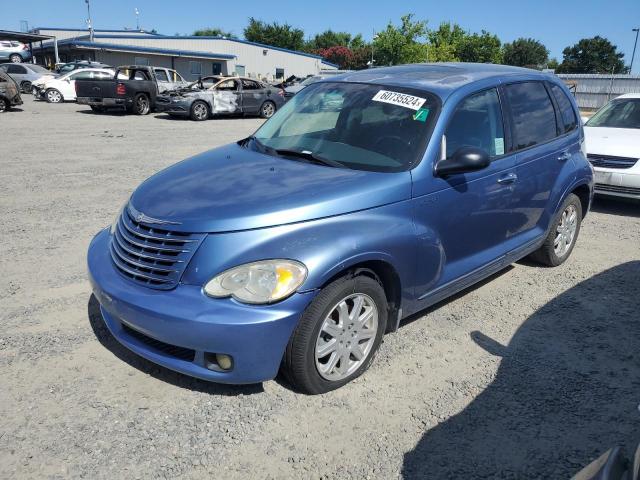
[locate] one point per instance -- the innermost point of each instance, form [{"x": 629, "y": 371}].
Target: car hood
[
  {"x": 618, "y": 142},
  {"x": 232, "y": 188}
]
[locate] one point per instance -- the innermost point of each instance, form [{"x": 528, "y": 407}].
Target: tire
[
  {"x": 141, "y": 104},
  {"x": 563, "y": 234},
  {"x": 4, "y": 105},
  {"x": 15, "y": 58},
  {"x": 97, "y": 108},
  {"x": 267, "y": 109},
  {"x": 199, "y": 111},
  {"x": 303, "y": 364},
  {"x": 26, "y": 86},
  {"x": 53, "y": 96}
]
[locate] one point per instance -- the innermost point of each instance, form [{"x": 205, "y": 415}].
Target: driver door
[
  {"x": 227, "y": 97},
  {"x": 464, "y": 219}
]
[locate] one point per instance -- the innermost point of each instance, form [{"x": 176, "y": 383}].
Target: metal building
[
  {"x": 593, "y": 91},
  {"x": 191, "y": 56}
]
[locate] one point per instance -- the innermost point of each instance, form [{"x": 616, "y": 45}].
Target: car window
[
  {"x": 102, "y": 75},
  {"x": 622, "y": 113},
  {"x": 534, "y": 118},
  {"x": 567, "y": 113},
  {"x": 5, "y": 44},
  {"x": 250, "y": 85},
  {"x": 38, "y": 69},
  {"x": 161, "y": 75},
  {"x": 477, "y": 122},
  {"x": 175, "y": 76},
  {"x": 16, "y": 69},
  {"x": 228, "y": 85},
  {"x": 140, "y": 75},
  {"x": 81, "y": 75}
]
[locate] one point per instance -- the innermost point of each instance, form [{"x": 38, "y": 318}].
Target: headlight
[
  {"x": 266, "y": 281},
  {"x": 115, "y": 220}
]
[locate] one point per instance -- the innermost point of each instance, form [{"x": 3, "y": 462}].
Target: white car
[
  {"x": 613, "y": 146},
  {"x": 63, "y": 88}
]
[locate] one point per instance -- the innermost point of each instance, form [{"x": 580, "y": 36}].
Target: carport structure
[{"x": 29, "y": 39}]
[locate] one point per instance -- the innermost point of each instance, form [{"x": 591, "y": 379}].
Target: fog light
[{"x": 224, "y": 361}]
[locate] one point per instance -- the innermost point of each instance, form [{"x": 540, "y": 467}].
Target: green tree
[
  {"x": 274, "y": 34},
  {"x": 592, "y": 55},
  {"x": 481, "y": 48},
  {"x": 525, "y": 52},
  {"x": 213, "y": 32},
  {"x": 328, "y": 39},
  {"x": 445, "y": 41},
  {"x": 553, "y": 64},
  {"x": 401, "y": 44}
]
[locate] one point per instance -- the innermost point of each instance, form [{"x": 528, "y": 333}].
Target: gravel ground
[{"x": 531, "y": 374}]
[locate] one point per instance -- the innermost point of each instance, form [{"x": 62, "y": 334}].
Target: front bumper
[
  {"x": 140, "y": 317},
  {"x": 618, "y": 183},
  {"x": 174, "y": 108}
]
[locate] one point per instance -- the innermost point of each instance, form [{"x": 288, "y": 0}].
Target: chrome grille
[
  {"x": 151, "y": 256},
  {"x": 609, "y": 161}
]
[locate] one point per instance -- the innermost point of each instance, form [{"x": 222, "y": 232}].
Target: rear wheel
[
  {"x": 562, "y": 237},
  {"x": 141, "y": 104},
  {"x": 199, "y": 111},
  {"x": 15, "y": 58},
  {"x": 338, "y": 335},
  {"x": 268, "y": 109},
  {"x": 53, "y": 96},
  {"x": 4, "y": 105},
  {"x": 26, "y": 86}
]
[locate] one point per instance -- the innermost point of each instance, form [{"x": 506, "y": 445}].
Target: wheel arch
[
  {"x": 382, "y": 271},
  {"x": 583, "y": 192}
]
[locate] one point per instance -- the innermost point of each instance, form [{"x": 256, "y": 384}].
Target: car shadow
[
  {"x": 116, "y": 112},
  {"x": 624, "y": 207},
  {"x": 567, "y": 389},
  {"x": 108, "y": 341}
]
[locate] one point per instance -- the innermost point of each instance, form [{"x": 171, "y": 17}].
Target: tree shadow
[
  {"x": 624, "y": 207},
  {"x": 108, "y": 341},
  {"x": 567, "y": 389}
]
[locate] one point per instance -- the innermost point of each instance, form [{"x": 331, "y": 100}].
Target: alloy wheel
[
  {"x": 54, "y": 96},
  {"x": 200, "y": 111},
  {"x": 346, "y": 337},
  {"x": 268, "y": 110},
  {"x": 566, "y": 230}
]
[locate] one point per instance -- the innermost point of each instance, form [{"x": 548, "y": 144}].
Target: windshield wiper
[{"x": 310, "y": 157}]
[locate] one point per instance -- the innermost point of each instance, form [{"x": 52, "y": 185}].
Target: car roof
[
  {"x": 439, "y": 78},
  {"x": 629, "y": 95}
]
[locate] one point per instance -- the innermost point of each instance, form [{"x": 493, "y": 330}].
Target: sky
[{"x": 556, "y": 23}]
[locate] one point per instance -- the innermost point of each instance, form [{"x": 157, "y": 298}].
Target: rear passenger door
[
  {"x": 543, "y": 149},
  {"x": 252, "y": 96}
]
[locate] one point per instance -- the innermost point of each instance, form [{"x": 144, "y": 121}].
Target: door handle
[
  {"x": 564, "y": 156},
  {"x": 507, "y": 179}
]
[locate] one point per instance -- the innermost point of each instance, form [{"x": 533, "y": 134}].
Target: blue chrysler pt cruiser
[{"x": 367, "y": 198}]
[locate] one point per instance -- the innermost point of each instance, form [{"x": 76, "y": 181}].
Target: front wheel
[
  {"x": 53, "y": 96},
  {"x": 26, "y": 86},
  {"x": 338, "y": 335},
  {"x": 141, "y": 104},
  {"x": 199, "y": 111},
  {"x": 563, "y": 234},
  {"x": 267, "y": 110},
  {"x": 4, "y": 105}
]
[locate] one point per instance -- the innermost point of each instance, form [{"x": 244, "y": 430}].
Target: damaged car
[
  {"x": 9, "y": 92},
  {"x": 229, "y": 95}
]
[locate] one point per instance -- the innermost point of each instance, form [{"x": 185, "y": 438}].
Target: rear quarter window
[
  {"x": 568, "y": 117},
  {"x": 534, "y": 119}
]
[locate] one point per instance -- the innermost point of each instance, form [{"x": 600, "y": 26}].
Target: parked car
[
  {"x": 613, "y": 147},
  {"x": 363, "y": 200},
  {"x": 27, "y": 73},
  {"x": 15, "y": 52},
  {"x": 135, "y": 88},
  {"x": 63, "y": 88},
  {"x": 9, "y": 92},
  {"x": 229, "y": 95}
]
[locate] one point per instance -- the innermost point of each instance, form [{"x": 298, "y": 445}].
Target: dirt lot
[{"x": 532, "y": 374}]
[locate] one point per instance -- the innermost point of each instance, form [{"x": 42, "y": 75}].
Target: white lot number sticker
[{"x": 400, "y": 99}]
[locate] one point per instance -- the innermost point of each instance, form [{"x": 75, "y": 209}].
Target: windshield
[
  {"x": 624, "y": 113},
  {"x": 359, "y": 126}
]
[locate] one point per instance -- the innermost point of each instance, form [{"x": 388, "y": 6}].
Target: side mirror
[{"x": 465, "y": 159}]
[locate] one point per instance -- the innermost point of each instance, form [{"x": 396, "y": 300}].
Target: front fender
[{"x": 326, "y": 246}]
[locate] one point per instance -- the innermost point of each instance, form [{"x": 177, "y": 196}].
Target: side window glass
[
  {"x": 568, "y": 114},
  {"x": 477, "y": 122},
  {"x": 140, "y": 75},
  {"x": 534, "y": 120},
  {"x": 228, "y": 85},
  {"x": 161, "y": 75}
]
